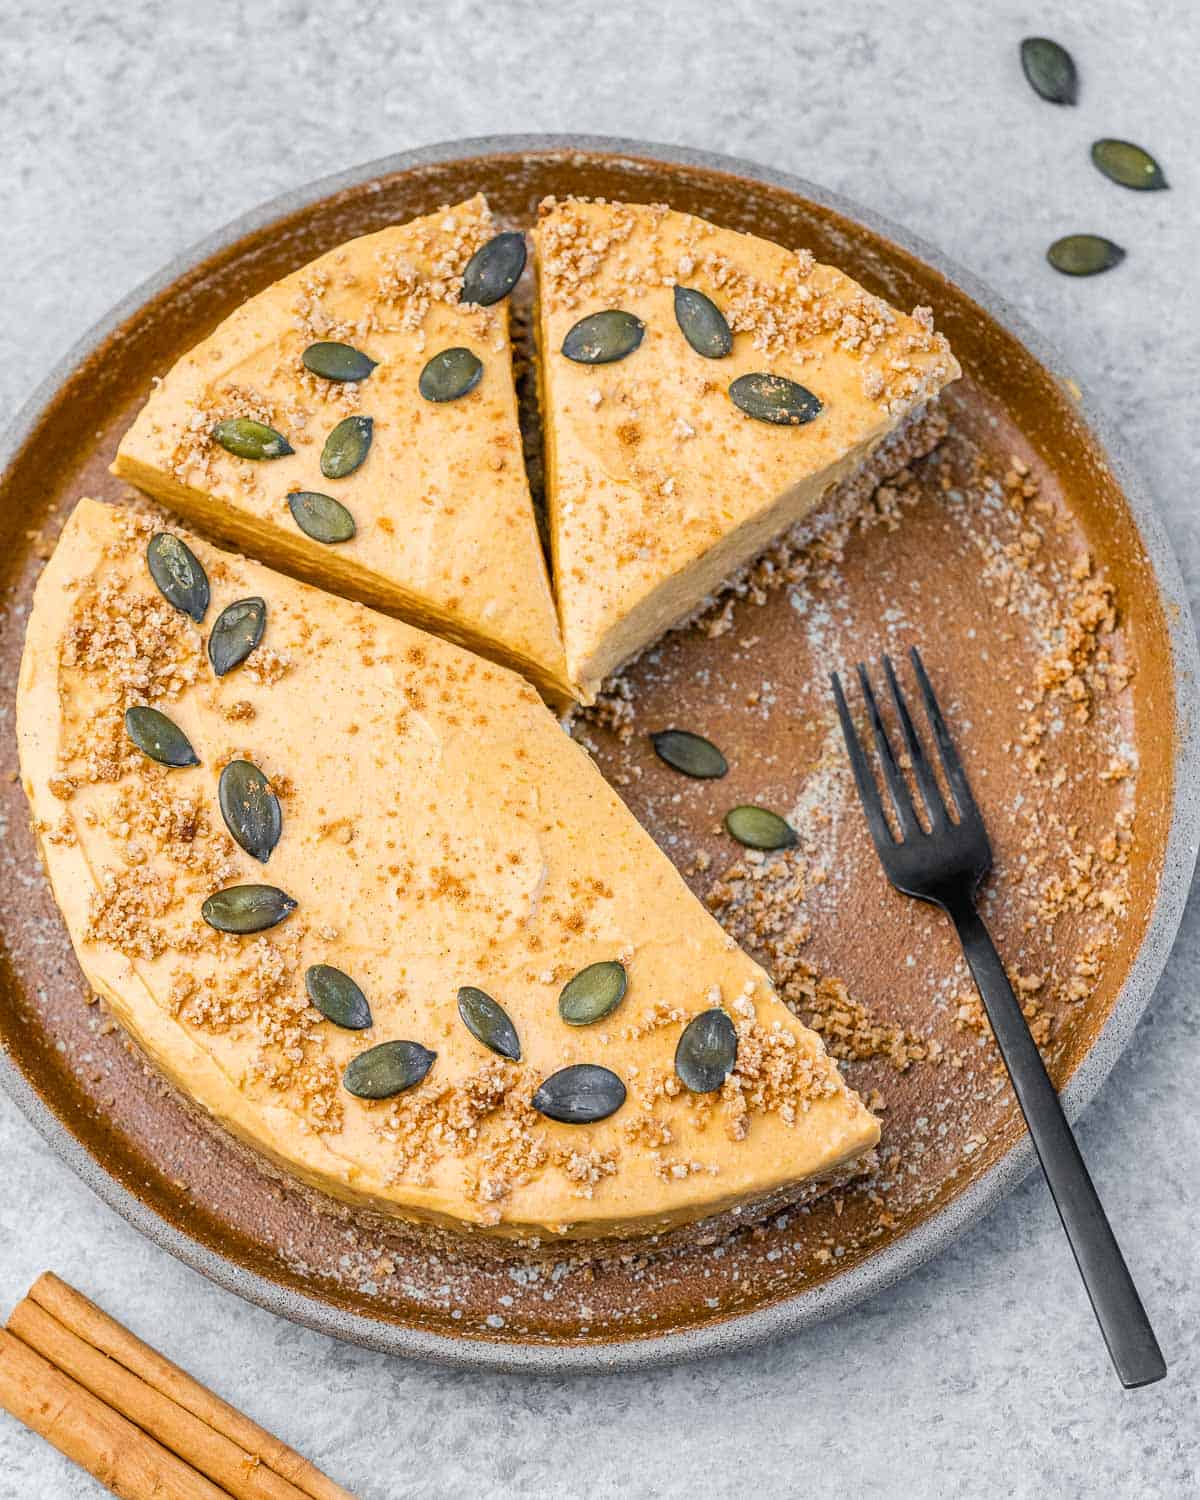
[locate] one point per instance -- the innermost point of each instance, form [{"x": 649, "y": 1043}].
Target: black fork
[{"x": 945, "y": 866}]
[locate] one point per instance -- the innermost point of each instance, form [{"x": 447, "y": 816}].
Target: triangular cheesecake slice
[
  {"x": 701, "y": 391},
  {"x": 366, "y": 381},
  {"x": 352, "y": 948}
]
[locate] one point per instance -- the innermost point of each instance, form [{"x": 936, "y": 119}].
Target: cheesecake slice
[
  {"x": 701, "y": 392},
  {"x": 355, "y": 892},
  {"x": 366, "y": 386}
]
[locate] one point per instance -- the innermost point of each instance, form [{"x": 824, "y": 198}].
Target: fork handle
[{"x": 1126, "y": 1328}]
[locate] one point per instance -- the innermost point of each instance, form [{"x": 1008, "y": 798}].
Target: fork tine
[
  {"x": 926, "y": 780},
  {"x": 951, "y": 764},
  {"x": 868, "y": 792},
  {"x": 892, "y": 774}
]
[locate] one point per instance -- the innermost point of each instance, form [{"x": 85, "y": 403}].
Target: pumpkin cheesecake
[
  {"x": 355, "y": 892},
  {"x": 701, "y": 392},
  {"x": 356, "y": 425}
]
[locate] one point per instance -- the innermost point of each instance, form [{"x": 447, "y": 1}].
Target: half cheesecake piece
[
  {"x": 701, "y": 391},
  {"x": 301, "y": 943},
  {"x": 356, "y": 424}
]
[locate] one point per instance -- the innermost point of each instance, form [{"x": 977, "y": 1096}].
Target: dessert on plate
[{"x": 356, "y": 893}]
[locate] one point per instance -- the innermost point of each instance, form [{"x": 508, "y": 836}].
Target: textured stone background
[{"x": 130, "y": 131}]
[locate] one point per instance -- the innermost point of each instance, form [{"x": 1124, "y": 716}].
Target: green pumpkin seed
[
  {"x": 593, "y": 993},
  {"x": 334, "y": 361},
  {"x": 347, "y": 446},
  {"x": 337, "y": 997},
  {"x": 247, "y": 908},
  {"x": 772, "y": 398},
  {"x": 388, "y": 1069},
  {"x": 250, "y": 808},
  {"x": 488, "y": 1022},
  {"x": 1129, "y": 165},
  {"x": 706, "y": 1052},
  {"x": 156, "y": 736},
  {"x": 1050, "y": 70},
  {"x": 321, "y": 516},
  {"x": 1084, "y": 254},
  {"x": 580, "y": 1095},
  {"x": 702, "y": 323},
  {"x": 245, "y": 438},
  {"x": 603, "y": 337},
  {"x": 450, "y": 374},
  {"x": 758, "y": 828},
  {"x": 690, "y": 753},
  {"x": 238, "y": 630},
  {"x": 494, "y": 269},
  {"x": 179, "y": 575}
]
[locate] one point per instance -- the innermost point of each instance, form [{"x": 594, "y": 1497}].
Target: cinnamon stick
[
  {"x": 76, "y": 1314},
  {"x": 94, "y": 1436}
]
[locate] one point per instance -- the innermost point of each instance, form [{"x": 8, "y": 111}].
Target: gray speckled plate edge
[{"x": 890, "y": 1265}]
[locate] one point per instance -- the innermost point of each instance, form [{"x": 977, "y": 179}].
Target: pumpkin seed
[
  {"x": 1050, "y": 70},
  {"x": 334, "y": 361},
  {"x": 337, "y": 997},
  {"x": 247, "y": 908},
  {"x": 690, "y": 753},
  {"x": 603, "y": 337},
  {"x": 1129, "y": 165},
  {"x": 250, "y": 808},
  {"x": 388, "y": 1069},
  {"x": 702, "y": 323},
  {"x": 347, "y": 446},
  {"x": 772, "y": 398},
  {"x": 758, "y": 828},
  {"x": 321, "y": 516},
  {"x": 593, "y": 993},
  {"x": 1084, "y": 254},
  {"x": 450, "y": 374},
  {"x": 488, "y": 1022},
  {"x": 156, "y": 736},
  {"x": 706, "y": 1052},
  {"x": 177, "y": 571},
  {"x": 245, "y": 438},
  {"x": 580, "y": 1095},
  {"x": 239, "y": 628},
  {"x": 494, "y": 269}
]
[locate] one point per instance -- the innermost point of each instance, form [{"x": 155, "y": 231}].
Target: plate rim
[{"x": 886, "y": 1267}]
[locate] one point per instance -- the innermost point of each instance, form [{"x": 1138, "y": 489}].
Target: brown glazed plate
[{"x": 1025, "y": 560}]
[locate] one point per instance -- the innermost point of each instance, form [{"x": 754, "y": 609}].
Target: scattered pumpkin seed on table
[
  {"x": 321, "y": 517},
  {"x": 449, "y": 375},
  {"x": 580, "y": 1095},
  {"x": 1050, "y": 70},
  {"x": 247, "y": 908},
  {"x": 706, "y": 1052},
  {"x": 494, "y": 269},
  {"x": 602, "y": 338},
  {"x": 1128, "y": 165},
  {"x": 387, "y": 1070},
  {"x": 690, "y": 753},
  {"x": 1084, "y": 254},
  {"x": 702, "y": 323},
  {"x": 775, "y": 399},
  {"x": 337, "y": 997},
  {"x": 159, "y": 737},
  {"x": 593, "y": 993},
  {"x": 238, "y": 630},
  {"x": 333, "y": 361},
  {"x": 759, "y": 828},
  {"x": 246, "y": 438},
  {"x": 250, "y": 808},
  {"x": 347, "y": 446},
  {"x": 488, "y": 1022},
  {"x": 178, "y": 574}
]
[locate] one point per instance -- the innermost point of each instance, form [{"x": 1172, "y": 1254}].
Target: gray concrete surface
[{"x": 130, "y": 130}]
